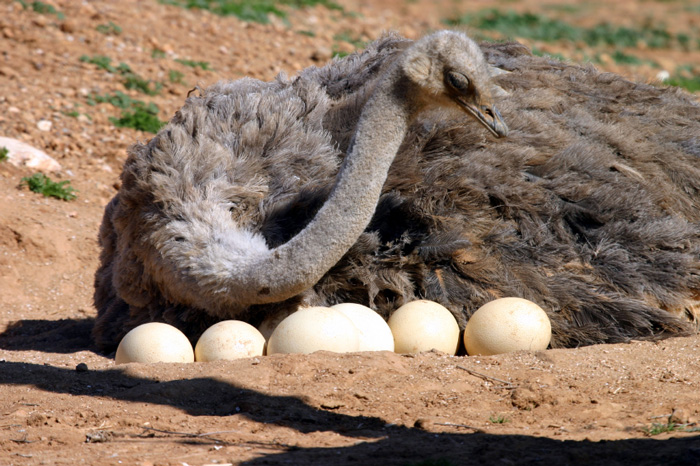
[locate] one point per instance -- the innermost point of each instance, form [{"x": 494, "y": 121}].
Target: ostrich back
[{"x": 589, "y": 208}]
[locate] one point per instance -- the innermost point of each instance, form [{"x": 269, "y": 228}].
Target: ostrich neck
[{"x": 301, "y": 262}]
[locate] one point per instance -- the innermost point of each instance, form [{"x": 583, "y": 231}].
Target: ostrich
[{"x": 367, "y": 181}]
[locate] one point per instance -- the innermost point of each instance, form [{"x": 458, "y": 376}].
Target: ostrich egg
[
  {"x": 314, "y": 329},
  {"x": 154, "y": 342},
  {"x": 424, "y": 325},
  {"x": 227, "y": 340},
  {"x": 375, "y": 334},
  {"x": 270, "y": 323},
  {"x": 505, "y": 325}
]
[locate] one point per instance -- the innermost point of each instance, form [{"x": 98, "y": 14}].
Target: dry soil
[{"x": 61, "y": 402}]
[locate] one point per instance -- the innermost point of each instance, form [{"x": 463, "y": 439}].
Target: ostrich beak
[{"x": 488, "y": 116}]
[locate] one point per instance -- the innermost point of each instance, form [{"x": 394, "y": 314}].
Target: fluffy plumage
[{"x": 589, "y": 207}]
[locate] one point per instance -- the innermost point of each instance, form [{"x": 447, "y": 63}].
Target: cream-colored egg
[
  {"x": 228, "y": 340},
  {"x": 375, "y": 334},
  {"x": 314, "y": 329},
  {"x": 154, "y": 342},
  {"x": 424, "y": 325},
  {"x": 270, "y": 323},
  {"x": 505, "y": 325}
]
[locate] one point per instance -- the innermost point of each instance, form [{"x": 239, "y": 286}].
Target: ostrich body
[{"x": 366, "y": 181}]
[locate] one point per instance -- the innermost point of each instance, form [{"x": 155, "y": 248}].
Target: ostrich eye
[{"x": 458, "y": 81}]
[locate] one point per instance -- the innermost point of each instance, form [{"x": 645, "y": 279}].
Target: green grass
[
  {"x": 109, "y": 29},
  {"x": 194, "y": 64},
  {"x": 157, "y": 53},
  {"x": 498, "y": 419},
  {"x": 135, "y": 114},
  {"x": 257, "y": 11},
  {"x": 118, "y": 99},
  {"x": 41, "y": 8},
  {"x": 623, "y": 58},
  {"x": 145, "y": 86},
  {"x": 539, "y": 27},
  {"x": 74, "y": 113},
  {"x": 512, "y": 24},
  {"x": 130, "y": 79},
  {"x": 339, "y": 53},
  {"x": 175, "y": 76},
  {"x": 42, "y": 184},
  {"x": 691, "y": 84},
  {"x": 658, "y": 428},
  {"x": 346, "y": 37},
  {"x": 140, "y": 118},
  {"x": 102, "y": 62},
  {"x": 568, "y": 9},
  {"x": 3, "y": 153}
]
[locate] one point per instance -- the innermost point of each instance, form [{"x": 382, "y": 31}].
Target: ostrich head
[{"x": 450, "y": 69}]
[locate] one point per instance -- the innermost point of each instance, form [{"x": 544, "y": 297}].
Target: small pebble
[
  {"x": 678, "y": 416},
  {"x": 44, "y": 125}
]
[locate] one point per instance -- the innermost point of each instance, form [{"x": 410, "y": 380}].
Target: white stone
[
  {"x": 21, "y": 154},
  {"x": 44, "y": 125}
]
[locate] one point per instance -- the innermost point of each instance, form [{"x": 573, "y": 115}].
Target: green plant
[
  {"x": 539, "y": 27},
  {"x": 109, "y": 29},
  {"x": 157, "y": 53},
  {"x": 304, "y": 32},
  {"x": 74, "y": 113},
  {"x": 131, "y": 80},
  {"x": 346, "y": 37},
  {"x": 251, "y": 10},
  {"x": 691, "y": 84},
  {"x": 175, "y": 76},
  {"x": 339, "y": 53},
  {"x": 42, "y": 8},
  {"x": 118, "y": 99},
  {"x": 569, "y": 9},
  {"x": 3, "y": 153},
  {"x": 136, "y": 114},
  {"x": 194, "y": 64},
  {"x": 512, "y": 24},
  {"x": 140, "y": 117},
  {"x": 42, "y": 184},
  {"x": 498, "y": 419},
  {"x": 146, "y": 86},
  {"x": 100, "y": 61},
  {"x": 625, "y": 59},
  {"x": 660, "y": 428}
]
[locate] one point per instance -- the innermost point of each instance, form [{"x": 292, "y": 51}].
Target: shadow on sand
[
  {"x": 387, "y": 445},
  {"x": 49, "y": 336}
]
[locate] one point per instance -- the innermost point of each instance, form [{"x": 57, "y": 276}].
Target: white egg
[
  {"x": 314, "y": 329},
  {"x": 228, "y": 340},
  {"x": 270, "y": 323},
  {"x": 505, "y": 325},
  {"x": 424, "y": 325},
  {"x": 375, "y": 334},
  {"x": 154, "y": 342}
]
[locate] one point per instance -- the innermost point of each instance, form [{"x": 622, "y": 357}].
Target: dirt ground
[{"x": 61, "y": 402}]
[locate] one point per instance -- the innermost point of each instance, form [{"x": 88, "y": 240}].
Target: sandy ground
[{"x": 63, "y": 403}]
